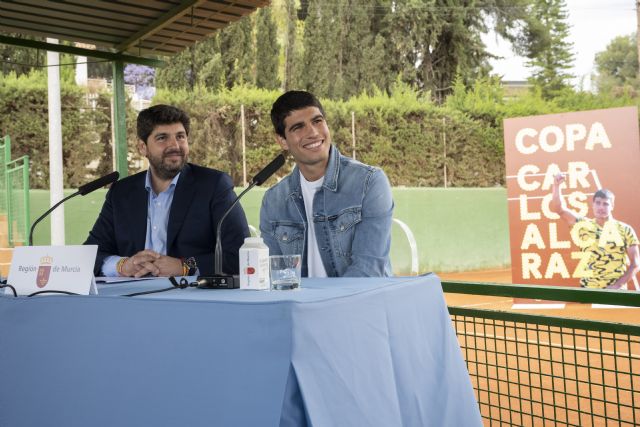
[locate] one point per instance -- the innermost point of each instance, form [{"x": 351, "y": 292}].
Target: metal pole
[
  {"x": 56, "y": 180},
  {"x": 81, "y": 71},
  {"x": 444, "y": 148},
  {"x": 353, "y": 135},
  {"x": 114, "y": 162},
  {"x": 244, "y": 148},
  {"x": 119, "y": 122},
  {"x": 27, "y": 205}
]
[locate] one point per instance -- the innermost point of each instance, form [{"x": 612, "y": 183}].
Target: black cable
[
  {"x": 15, "y": 294},
  {"x": 184, "y": 283},
  {"x": 181, "y": 285},
  {"x": 176, "y": 285},
  {"x": 148, "y": 292},
  {"x": 52, "y": 292}
]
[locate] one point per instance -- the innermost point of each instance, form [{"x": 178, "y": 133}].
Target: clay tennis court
[
  {"x": 573, "y": 310},
  {"x": 535, "y": 374}
]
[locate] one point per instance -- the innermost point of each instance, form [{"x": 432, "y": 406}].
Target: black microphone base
[{"x": 220, "y": 281}]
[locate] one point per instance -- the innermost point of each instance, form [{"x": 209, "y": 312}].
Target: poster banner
[{"x": 594, "y": 149}]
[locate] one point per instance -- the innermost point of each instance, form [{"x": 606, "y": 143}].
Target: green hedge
[
  {"x": 85, "y": 131},
  {"x": 403, "y": 134}
]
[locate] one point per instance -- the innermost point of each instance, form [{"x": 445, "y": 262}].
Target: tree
[
  {"x": 141, "y": 76},
  {"x": 179, "y": 72},
  {"x": 433, "y": 41},
  {"x": 290, "y": 51},
  {"x": 267, "y": 51},
  {"x": 224, "y": 59},
  {"x": 210, "y": 71},
  {"x": 198, "y": 64},
  {"x": 617, "y": 65},
  {"x": 427, "y": 42},
  {"x": 20, "y": 60},
  {"x": 236, "y": 49},
  {"x": 344, "y": 52},
  {"x": 342, "y": 48},
  {"x": 554, "y": 58},
  {"x": 363, "y": 55},
  {"x": 319, "y": 64},
  {"x": 23, "y": 116}
]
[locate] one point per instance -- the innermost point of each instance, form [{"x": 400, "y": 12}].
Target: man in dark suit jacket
[{"x": 162, "y": 222}]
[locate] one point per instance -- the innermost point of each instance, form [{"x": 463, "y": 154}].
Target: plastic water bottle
[{"x": 254, "y": 264}]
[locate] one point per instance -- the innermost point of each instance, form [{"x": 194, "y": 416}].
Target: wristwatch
[{"x": 191, "y": 265}]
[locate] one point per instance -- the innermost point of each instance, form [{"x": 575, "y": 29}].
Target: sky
[{"x": 593, "y": 24}]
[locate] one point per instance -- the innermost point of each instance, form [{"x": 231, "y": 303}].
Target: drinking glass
[{"x": 285, "y": 272}]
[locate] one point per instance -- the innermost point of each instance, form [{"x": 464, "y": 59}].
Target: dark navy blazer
[{"x": 201, "y": 197}]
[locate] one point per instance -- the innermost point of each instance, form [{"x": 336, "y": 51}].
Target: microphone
[
  {"x": 83, "y": 191},
  {"x": 98, "y": 183},
  {"x": 219, "y": 278},
  {"x": 268, "y": 170}
]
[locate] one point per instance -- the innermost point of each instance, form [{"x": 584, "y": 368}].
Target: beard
[{"x": 167, "y": 169}]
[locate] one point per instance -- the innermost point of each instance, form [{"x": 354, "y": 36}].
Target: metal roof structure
[
  {"x": 138, "y": 32},
  {"x": 144, "y": 29}
]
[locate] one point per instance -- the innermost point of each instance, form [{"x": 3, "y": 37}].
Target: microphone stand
[
  {"x": 217, "y": 267},
  {"x": 220, "y": 280},
  {"x": 44, "y": 215},
  {"x": 83, "y": 190}
]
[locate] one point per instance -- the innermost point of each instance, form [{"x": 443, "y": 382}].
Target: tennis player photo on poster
[{"x": 572, "y": 189}]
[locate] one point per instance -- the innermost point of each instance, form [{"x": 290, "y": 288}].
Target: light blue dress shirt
[{"x": 158, "y": 208}]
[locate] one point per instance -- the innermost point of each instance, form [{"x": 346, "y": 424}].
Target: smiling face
[
  {"x": 602, "y": 208},
  {"x": 307, "y": 138},
  {"x": 167, "y": 149}
]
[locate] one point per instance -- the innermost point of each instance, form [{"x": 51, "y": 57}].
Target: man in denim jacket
[{"x": 333, "y": 210}]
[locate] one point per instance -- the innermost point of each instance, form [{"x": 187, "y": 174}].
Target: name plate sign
[{"x": 53, "y": 268}]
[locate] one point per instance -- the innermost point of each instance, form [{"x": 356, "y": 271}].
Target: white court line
[
  {"x": 598, "y": 306},
  {"x": 534, "y": 306},
  {"x": 485, "y": 303},
  {"x": 549, "y": 344}
]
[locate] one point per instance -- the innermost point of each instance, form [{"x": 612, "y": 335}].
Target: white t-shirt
[{"x": 314, "y": 262}]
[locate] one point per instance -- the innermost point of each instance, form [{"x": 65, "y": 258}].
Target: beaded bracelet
[{"x": 120, "y": 264}]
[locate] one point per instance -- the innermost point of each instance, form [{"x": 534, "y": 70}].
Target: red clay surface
[
  {"x": 573, "y": 310},
  {"x": 528, "y": 378}
]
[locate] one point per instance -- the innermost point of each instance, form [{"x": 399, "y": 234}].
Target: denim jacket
[{"x": 352, "y": 214}]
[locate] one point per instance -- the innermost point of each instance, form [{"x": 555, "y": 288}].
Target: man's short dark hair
[
  {"x": 603, "y": 193},
  {"x": 288, "y": 102},
  {"x": 160, "y": 114}
]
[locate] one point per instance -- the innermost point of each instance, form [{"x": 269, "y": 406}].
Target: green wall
[{"x": 455, "y": 229}]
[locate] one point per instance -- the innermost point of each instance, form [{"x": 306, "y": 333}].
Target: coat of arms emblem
[{"x": 44, "y": 270}]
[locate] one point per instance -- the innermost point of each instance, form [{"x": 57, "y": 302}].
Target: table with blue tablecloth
[{"x": 338, "y": 352}]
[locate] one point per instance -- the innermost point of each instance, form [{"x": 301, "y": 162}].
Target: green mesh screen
[
  {"x": 5, "y": 156},
  {"x": 526, "y": 373},
  {"x": 17, "y": 181}
]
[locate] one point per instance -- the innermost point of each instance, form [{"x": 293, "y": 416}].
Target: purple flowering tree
[{"x": 142, "y": 77}]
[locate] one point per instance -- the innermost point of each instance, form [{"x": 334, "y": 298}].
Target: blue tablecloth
[{"x": 338, "y": 352}]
